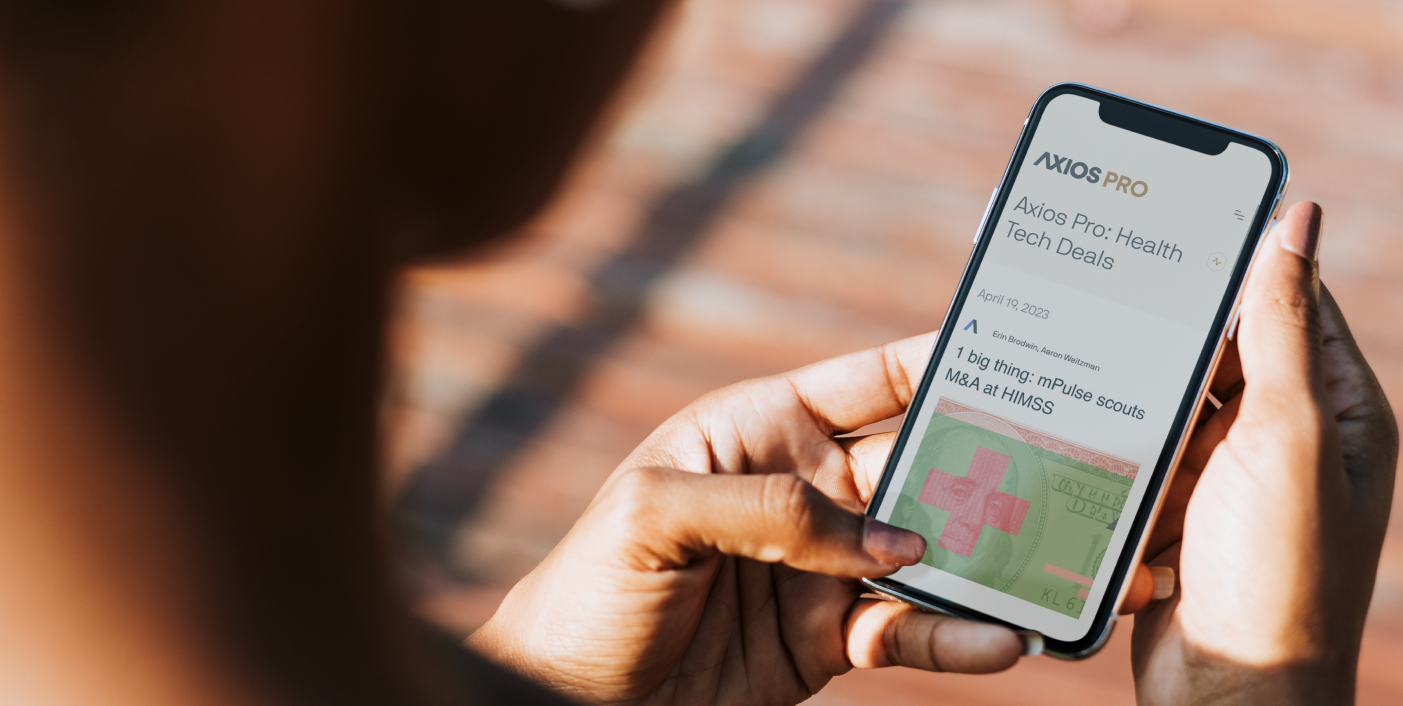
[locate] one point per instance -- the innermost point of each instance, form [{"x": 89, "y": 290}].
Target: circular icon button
[{"x": 1217, "y": 261}]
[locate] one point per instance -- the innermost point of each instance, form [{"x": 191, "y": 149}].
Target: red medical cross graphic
[{"x": 974, "y": 502}]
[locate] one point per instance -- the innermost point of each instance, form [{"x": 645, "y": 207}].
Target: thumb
[
  {"x": 673, "y": 518},
  {"x": 1280, "y": 342}
]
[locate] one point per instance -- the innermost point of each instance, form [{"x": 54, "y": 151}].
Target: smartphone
[{"x": 1073, "y": 362}]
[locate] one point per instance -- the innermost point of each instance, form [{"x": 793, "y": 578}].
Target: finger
[
  {"x": 851, "y": 391},
  {"x": 675, "y": 518},
  {"x": 1152, "y": 622},
  {"x": 1151, "y": 583},
  {"x": 886, "y": 633},
  {"x": 1142, "y": 590},
  {"x": 867, "y": 459},
  {"x": 1368, "y": 429},
  {"x": 1281, "y": 337}
]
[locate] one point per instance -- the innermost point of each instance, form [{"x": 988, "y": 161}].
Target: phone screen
[{"x": 1069, "y": 362}]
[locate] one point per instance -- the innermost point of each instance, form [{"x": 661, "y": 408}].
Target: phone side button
[
  {"x": 984, "y": 221},
  {"x": 1232, "y": 327}
]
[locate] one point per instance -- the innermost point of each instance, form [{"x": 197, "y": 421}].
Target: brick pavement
[{"x": 857, "y": 236}]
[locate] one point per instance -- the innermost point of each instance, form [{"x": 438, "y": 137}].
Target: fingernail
[
  {"x": 1302, "y": 241},
  {"x": 1164, "y": 582},
  {"x": 892, "y": 545},
  {"x": 1032, "y": 643}
]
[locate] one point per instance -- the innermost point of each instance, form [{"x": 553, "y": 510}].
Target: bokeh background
[{"x": 793, "y": 179}]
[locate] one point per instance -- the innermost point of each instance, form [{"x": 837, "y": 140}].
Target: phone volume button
[{"x": 984, "y": 221}]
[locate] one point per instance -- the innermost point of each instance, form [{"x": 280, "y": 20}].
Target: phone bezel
[{"x": 1158, "y": 123}]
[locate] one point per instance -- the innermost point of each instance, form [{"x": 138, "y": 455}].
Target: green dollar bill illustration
[{"x": 1013, "y": 508}]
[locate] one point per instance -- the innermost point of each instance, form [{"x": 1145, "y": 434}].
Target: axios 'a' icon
[{"x": 973, "y": 324}]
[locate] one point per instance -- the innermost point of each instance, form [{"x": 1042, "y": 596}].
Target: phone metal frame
[{"x": 1224, "y": 325}]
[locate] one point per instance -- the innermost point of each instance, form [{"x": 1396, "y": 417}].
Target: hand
[
  {"x": 730, "y": 578},
  {"x": 1283, "y": 498}
]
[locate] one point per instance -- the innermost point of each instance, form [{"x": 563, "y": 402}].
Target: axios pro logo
[{"x": 1079, "y": 170}]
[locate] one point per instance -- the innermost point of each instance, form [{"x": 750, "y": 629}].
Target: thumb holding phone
[{"x": 1294, "y": 480}]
